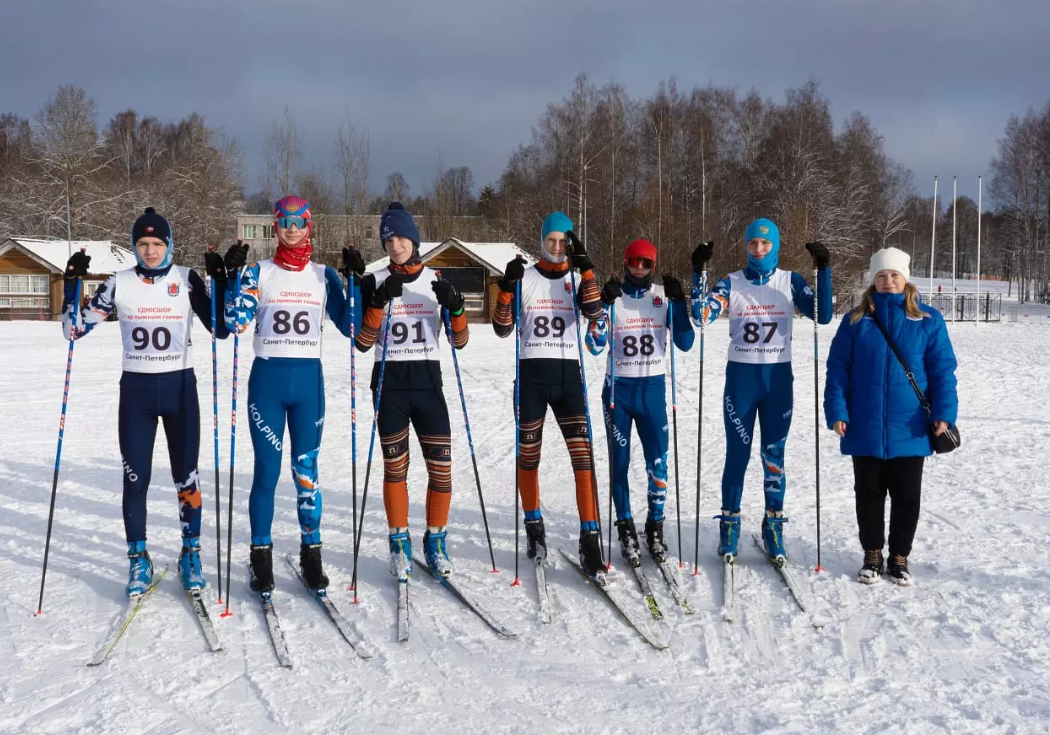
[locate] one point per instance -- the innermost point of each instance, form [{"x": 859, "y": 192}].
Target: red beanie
[{"x": 640, "y": 249}]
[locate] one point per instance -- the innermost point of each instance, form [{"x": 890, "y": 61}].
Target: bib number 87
[{"x": 752, "y": 331}]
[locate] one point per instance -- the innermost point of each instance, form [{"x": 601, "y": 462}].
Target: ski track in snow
[{"x": 964, "y": 651}]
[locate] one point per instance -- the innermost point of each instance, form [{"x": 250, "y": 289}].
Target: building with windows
[
  {"x": 473, "y": 267},
  {"x": 31, "y": 273}
]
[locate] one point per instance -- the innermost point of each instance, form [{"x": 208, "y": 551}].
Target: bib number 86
[
  {"x": 284, "y": 322},
  {"x": 752, "y": 332}
]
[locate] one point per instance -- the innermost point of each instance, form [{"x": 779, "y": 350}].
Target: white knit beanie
[{"x": 890, "y": 259}]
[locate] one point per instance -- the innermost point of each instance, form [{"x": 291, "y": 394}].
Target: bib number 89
[
  {"x": 544, "y": 326},
  {"x": 284, "y": 322},
  {"x": 752, "y": 332}
]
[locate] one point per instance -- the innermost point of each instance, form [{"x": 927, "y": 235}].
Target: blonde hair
[{"x": 867, "y": 304}]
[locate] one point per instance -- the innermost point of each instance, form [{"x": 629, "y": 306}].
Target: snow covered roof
[
  {"x": 493, "y": 255},
  {"x": 106, "y": 258}
]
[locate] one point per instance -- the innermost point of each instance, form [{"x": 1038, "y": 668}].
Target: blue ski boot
[
  {"x": 728, "y": 534},
  {"x": 190, "y": 564},
  {"x": 435, "y": 548},
  {"x": 140, "y": 576},
  {"x": 773, "y": 536},
  {"x": 400, "y": 553}
]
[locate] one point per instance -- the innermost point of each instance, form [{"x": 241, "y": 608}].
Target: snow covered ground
[{"x": 965, "y": 651}]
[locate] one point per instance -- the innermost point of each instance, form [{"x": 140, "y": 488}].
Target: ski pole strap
[{"x": 907, "y": 371}]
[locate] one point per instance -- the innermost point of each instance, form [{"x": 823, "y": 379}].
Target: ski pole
[
  {"x": 517, "y": 430},
  {"x": 371, "y": 446},
  {"x": 58, "y": 452},
  {"x": 674, "y": 426},
  {"x": 215, "y": 434},
  {"x": 611, "y": 425},
  {"x": 586, "y": 409},
  {"x": 233, "y": 433},
  {"x": 470, "y": 440},
  {"x": 353, "y": 407},
  {"x": 700, "y": 418},
  {"x": 816, "y": 397}
]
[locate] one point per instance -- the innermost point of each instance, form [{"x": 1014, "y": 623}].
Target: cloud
[{"x": 466, "y": 80}]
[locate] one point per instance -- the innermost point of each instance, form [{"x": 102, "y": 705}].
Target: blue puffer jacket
[{"x": 867, "y": 388}]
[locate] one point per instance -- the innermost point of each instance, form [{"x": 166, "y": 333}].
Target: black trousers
[{"x": 901, "y": 477}]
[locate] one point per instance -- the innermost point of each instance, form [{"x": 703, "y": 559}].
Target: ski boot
[
  {"x": 629, "y": 542},
  {"x": 873, "y": 566},
  {"x": 190, "y": 564},
  {"x": 400, "y": 553},
  {"x": 591, "y": 555},
  {"x": 654, "y": 539},
  {"x": 535, "y": 539},
  {"x": 260, "y": 565},
  {"x": 728, "y": 534},
  {"x": 773, "y": 536},
  {"x": 310, "y": 565},
  {"x": 435, "y": 549},
  {"x": 140, "y": 575},
  {"x": 898, "y": 571}
]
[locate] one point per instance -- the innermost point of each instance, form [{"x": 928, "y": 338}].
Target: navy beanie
[
  {"x": 151, "y": 224},
  {"x": 397, "y": 222}
]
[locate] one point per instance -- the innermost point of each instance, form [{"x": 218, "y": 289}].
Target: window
[
  {"x": 19, "y": 284},
  {"x": 248, "y": 232},
  {"x": 466, "y": 280},
  {"x": 268, "y": 232},
  {"x": 369, "y": 232}
]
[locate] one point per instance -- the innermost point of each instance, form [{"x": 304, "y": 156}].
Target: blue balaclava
[
  {"x": 555, "y": 222},
  {"x": 767, "y": 230},
  {"x": 151, "y": 224}
]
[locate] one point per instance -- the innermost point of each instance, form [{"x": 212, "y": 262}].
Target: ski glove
[
  {"x": 702, "y": 254},
  {"x": 448, "y": 296},
  {"x": 821, "y": 255},
  {"x": 353, "y": 262},
  {"x": 235, "y": 258},
  {"x": 214, "y": 266},
  {"x": 512, "y": 274},
  {"x": 77, "y": 266},
  {"x": 580, "y": 261},
  {"x": 673, "y": 288},
  {"x": 611, "y": 291},
  {"x": 391, "y": 288}
]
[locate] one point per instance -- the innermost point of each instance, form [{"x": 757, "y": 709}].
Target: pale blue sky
[{"x": 938, "y": 78}]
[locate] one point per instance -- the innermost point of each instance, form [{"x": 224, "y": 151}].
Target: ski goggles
[
  {"x": 641, "y": 262},
  {"x": 286, "y": 221}
]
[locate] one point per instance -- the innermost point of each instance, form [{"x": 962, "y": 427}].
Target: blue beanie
[
  {"x": 555, "y": 222},
  {"x": 397, "y": 222},
  {"x": 767, "y": 230},
  {"x": 151, "y": 224}
]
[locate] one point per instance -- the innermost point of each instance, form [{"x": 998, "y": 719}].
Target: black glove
[
  {"x": 235, "y": 258},
  {"x": 702, "y": 255},
  {"x": 214, "y": 266},
  {"x": 448, "y": 296},
  {"x": 673, "y": 288},
  {"x": 513, "y": 273},
  {"x": 611, "y": 290},
  {"x": 821, "y": 254},
  {"x": 77, "y": 265},
  {"x": 580, "y": 261},
  {"x": 353, "y": 262},
  {"x": 391, "y": 288}
]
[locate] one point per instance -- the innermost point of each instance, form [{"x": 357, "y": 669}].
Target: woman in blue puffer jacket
[{"x": 869, "y": 402}]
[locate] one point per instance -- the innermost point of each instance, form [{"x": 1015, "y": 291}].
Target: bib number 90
[{"x": 160, "y": 338}]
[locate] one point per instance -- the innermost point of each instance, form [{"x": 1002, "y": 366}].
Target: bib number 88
[{"x": 633, "y": 345}]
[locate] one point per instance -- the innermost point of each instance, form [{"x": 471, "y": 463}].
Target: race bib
[
  {"x": 415, "y": 321},
  {"x": 548, "y": 317},
  {"x": 760, "y": 319},
  {"x": 639, "y": 336},
  {"x": 155, "y": 319},
  {"x": 291, "y": 308}
]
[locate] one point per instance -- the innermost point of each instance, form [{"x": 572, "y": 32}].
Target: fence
[{"x": 968, "y": 307}]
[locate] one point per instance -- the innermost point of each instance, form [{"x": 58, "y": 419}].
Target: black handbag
[{"x": 950, "y": 440}]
